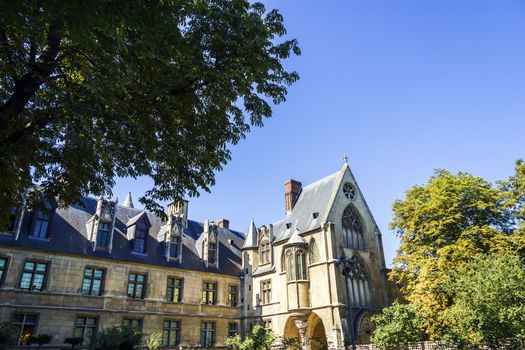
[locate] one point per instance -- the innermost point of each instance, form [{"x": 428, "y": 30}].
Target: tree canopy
[
  {"x": 443, "y": 225},
  {"x": 91, "y": 91}
]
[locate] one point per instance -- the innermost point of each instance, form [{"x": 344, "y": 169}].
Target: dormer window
[
  {"x": 265, "y": 251},
  {"x": 212, "y": 250},
  {"x": 41, "y": 219},
  {"x": 174, "y": 247},
  {"x": 103, "y": 234},
  {"x": 139, "y": 241}
]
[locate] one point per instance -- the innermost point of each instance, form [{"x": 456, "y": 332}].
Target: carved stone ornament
[
  {"x": 106, "y": 213},
  {"x": 349, "y": 191}
]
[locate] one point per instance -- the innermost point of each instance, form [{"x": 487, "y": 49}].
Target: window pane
[
  {"x": 25, "y": 283},
  {"x": 78, "y": 332},
  {"x": 138, "y": 293},
  {"x": 97, "y": 284},
  {"x": 99, "y": 273},
  {"x": 86, "y": 286},
  {"x": 38, "y": 281},
  {"x": 140, "y": 278},
  {"x": 29, "y": 265},
  {"x": 41, "y": 267}
]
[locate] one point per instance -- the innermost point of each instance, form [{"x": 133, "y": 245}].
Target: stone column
[{"x": 301, "y": 326}]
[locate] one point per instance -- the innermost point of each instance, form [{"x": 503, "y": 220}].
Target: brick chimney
[
  {"x": 224, "y": 223},
  {"x": 292, "y": 190}
]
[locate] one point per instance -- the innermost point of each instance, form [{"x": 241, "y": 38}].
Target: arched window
[
  {"x": 296, "y": 265},
  {"x": 358, "y": 286},
  {"x": 353, "y": 229},
  {"x": 314, "y": 252}
]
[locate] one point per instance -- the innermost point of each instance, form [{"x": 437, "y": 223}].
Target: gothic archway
[
  {"x": 365, "y": 328},
  {"x": 290, "y": 329},
  {"x": 315, "y": 332}
]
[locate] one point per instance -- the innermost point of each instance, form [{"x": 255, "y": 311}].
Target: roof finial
[{"x": 345, "y": 158}]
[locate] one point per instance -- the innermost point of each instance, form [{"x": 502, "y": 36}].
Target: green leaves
[
  {"x": 397, "y": 326},
  {"x": 136, "y": 89},
  {"x": 444, "y": 226}
]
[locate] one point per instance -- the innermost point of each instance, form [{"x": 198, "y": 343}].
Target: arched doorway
[
  {"x": 290, "y": 329},
  {"x": 316, "y": 333},
  {"x": 365, "y": 328}
]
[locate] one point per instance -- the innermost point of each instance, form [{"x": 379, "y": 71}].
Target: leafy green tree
[
  {"x": 489, "y": 301},
  {"x": 259, "y": 339},
  {"x": 154, "y": 341},
  {"x": 117, "y": 338},
  {"x": 441, "y": 226},
  {"x": 94, "y": 90},
  {"x": 397, "y": 326}
]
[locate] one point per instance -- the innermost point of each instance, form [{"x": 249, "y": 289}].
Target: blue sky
[{"x": 402, "y": 87}]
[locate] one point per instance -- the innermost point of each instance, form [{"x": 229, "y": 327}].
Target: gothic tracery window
[
  {"x": 358, "y": 286},
  {"x": 296, "y": 264},
  {"x": 349, "y": 191},
  {"x": 314, "y": 252},
  {"x": 353, "y": 229}
]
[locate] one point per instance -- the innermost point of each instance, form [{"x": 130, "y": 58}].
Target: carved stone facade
[{"x": 98, "y": 264}]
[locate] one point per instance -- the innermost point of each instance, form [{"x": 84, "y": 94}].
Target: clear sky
[{"x": 402, "y": 87}]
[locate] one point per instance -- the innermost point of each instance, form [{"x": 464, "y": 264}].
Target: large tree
[
  {"x": 92, "y": 90},
  {"x": 441, "y": 226}
]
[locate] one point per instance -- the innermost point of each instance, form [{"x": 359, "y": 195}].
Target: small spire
[
  {"x": 250, "y": 240},
  {"x": 128, "y": 202},
  {"x": 345, "y": 158}
]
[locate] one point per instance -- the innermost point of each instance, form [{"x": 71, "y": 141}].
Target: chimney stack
[
  {"x": 292, "y": 190},
  {"x": 224, "y": 223}
]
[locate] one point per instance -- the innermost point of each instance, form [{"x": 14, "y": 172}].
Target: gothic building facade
[{"x": 75, "y": 271}]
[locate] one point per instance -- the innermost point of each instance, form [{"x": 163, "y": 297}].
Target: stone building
[{"x": 72, "y": 272}]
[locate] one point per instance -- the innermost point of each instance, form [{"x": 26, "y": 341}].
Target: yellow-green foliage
[{"x": 442, "y": 225}]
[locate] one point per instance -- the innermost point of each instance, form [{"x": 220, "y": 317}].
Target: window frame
[
  {"x": 204, "y": 329},
  {"x": 93, "y": 278},
  {"x": 265, "y": 251},
  {"x": 231, "y": 332},
  {"x": 266, "y": 292},
  {"x": 178, "y": 331},
  {"x": 108, "y": 232},
  {"x": 131, "y": 319},
  {"x": 144, "y": 284},
  {"x": 233, "y": 295},
  {"x": 33, "y": 273},
  {"x": 206, "y": 293},
  {"x": 19, "y": 333},
  {"x": 85, "y": 326},
  {"x": 144, "y": 239},
  {"x": 174, "y": 287},
  {"x": 5, "y": 269}
]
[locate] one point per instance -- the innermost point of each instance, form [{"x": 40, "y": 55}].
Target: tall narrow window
[
  {"x": 3, "y": 269},
  {"x": 266, "y": 291},
  {"x": 85, "y": 327},
  {"x": 207, "y": 334},
  {"x": 175, "y": 247},
  {"x": 41, "y": 222},
  {"x": 354, "y": 236},
  {"x": 233, "y": 295},
  {"x": 314, "y": 252},
  {"x": 33, "y": 276},
  {"x": 103, "y": 234},
  {"x": 212, "y": 251},
  {"x": 301, "y": 265},
  {"x": 171, "y": 333},
  {"x": 93, "y": 281},
  {"x": 290, "y": 269},
  {"x": 139, "y": 242},
  {"x": 174, "y": 289},
  {"x": 358, "y": 287},
  {"x": 136, "y": 285},
  {"x": 265, "y": 251},
  {"x": 209, "y": 293},
  {"x": 25, "y": 327}
]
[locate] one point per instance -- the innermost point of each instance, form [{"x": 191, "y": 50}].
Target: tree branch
[{"x": 30, "y": 83}]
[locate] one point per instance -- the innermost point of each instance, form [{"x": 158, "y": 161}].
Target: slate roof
[
  {"x": 69, "y": 229},
  {"x": 311, "y": 209}
]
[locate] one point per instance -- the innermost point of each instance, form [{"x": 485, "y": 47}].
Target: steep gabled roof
[{"x": 312, "y": 207}]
